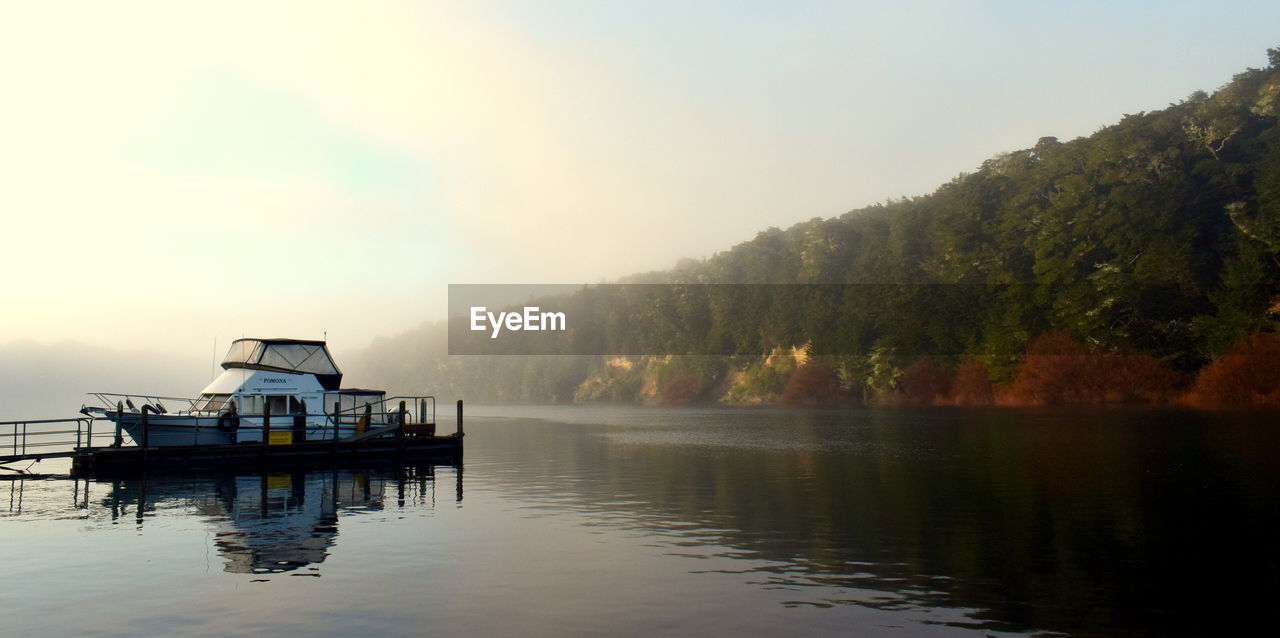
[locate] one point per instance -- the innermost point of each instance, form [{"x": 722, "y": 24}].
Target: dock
[{"x": 40, "y": 439}]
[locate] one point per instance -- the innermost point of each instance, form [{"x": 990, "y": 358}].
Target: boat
[{"x": 292, "y": 385}]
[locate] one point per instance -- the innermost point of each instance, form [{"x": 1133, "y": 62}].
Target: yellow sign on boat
[
  {"x": 281, "y": 438},
  {"x": 279, "y": 480}
]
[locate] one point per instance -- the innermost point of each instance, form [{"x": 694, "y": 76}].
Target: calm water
[{"x": 689, "y": 521}]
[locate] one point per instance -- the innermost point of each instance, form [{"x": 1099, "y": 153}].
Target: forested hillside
[{"x": 1140, "y": 263}]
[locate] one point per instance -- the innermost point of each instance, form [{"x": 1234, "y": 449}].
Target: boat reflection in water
[{"x": 278, "y": 521}]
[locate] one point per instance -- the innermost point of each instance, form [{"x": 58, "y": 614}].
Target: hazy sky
[{"x": 179, "y": 171}]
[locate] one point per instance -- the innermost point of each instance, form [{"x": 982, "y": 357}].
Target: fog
[
  {"x": 182, "y": 174},
  {"x": 53, "y": 380}
]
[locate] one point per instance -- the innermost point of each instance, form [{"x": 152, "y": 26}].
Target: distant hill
[{"x": 1158, "y": 235}]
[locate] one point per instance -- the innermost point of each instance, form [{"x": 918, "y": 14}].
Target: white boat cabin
[{"x": 290, "y": 376}]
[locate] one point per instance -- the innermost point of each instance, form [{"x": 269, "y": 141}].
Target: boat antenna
[{"x": 213, "y": 363}]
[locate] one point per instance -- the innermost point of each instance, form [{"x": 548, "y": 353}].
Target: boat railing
[
  {"x": 419, "y": 409},
  {"x": 135, "y": 402}
]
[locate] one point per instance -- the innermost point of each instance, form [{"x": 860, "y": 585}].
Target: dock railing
[
  {"x": 45, "y": 438},
  {"x": 362, "y": 417},
  {"x": 387, "y": 411}
]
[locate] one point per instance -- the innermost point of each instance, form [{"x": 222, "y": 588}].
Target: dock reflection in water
[{"x": 265, "y": 523}]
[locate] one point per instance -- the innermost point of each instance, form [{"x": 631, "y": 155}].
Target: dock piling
[
  {"x": 146, "y": 433},
  {"x": 300, "y": 422},
  {"x": 404, "y": 416},
  {"x": 119, "y": 419},
  {"x": 336, "y": 406},
  {"x": 459, "y": 417},
  {"x": 266, "y": 426}
]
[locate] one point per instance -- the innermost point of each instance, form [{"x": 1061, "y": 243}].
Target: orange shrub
[
  {"x": 1137, "y": 377},
  {"x": 972, "y": 385},
  {"x": 1057, "y": 370},
  {"x": 923, "y": 382},
  {"x": 1248, "y": 374},
  {"x": 681, "y": 390},
  {"x": 813, "y": 383}
]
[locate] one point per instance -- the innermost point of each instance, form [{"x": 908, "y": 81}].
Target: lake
[{"x": 685, "y": 521}]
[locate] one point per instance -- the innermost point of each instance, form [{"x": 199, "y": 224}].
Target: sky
[{"x": 178, "y": 174}]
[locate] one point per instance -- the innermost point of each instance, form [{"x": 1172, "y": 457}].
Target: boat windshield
[
  {"x": 243, "y": 351},
  {"x": 211, "y": 402},
  {"x": 280, "y": 354}
]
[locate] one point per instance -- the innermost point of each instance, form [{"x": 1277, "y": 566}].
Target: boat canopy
[{"x": 285, "y": 355}]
